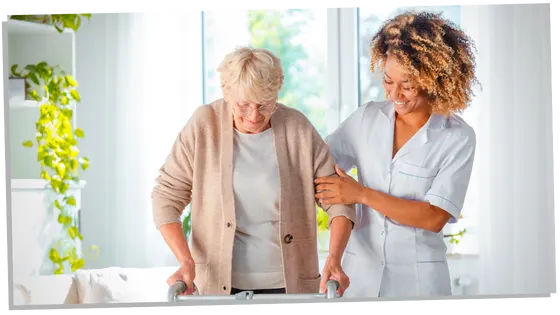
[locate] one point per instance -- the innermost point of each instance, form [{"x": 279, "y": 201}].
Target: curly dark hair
[{"x": 435, "y": 53}]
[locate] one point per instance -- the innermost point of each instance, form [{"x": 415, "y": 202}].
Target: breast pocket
[{"x": 412, "y": 182}]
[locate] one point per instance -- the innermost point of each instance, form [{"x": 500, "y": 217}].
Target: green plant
[
  {"x": 187, "y": 224},
  {"x": 322, "y": 220},
  {"x": 57, "y": 144},
  {"x": 59, "y": 21},
  {"x": 57, "y": 150},
  {"x": 453, "y": 237}
]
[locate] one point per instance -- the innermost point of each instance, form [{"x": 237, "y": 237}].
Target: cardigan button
[
  {"x": 224, "y": 287},
  {"x": 288, "y": 238},
  {"x": 228, "y": 224}
]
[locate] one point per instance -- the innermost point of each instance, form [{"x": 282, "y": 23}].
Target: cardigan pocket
[
  {"x": 309, "y": 285},
  {"x": 201, "y": 278},
  {"x": 306, "y": 258}
]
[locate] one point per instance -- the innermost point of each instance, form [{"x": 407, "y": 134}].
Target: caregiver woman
[{"x": 414, "y": 158}]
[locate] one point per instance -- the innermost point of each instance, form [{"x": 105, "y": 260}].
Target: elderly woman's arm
[
  {"x": 341, "y": 219},
  {"x": 169, "y": 199},
  {"x": 174, "y": 184}
]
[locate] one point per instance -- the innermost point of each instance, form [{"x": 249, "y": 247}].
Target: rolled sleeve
[
  {"x": 449, "y": 188},
  {"x": 341, "y": 211}
]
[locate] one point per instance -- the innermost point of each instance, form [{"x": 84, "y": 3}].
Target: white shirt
[
  {"x": 383, "y": 257},
  {"x": 257, "y": 257}
]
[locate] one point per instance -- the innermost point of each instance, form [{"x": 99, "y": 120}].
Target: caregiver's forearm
[
  {"x": 413, "y": 213},
  {"x": 340, "y": 230},
  {"x": 175, "y": 238}
]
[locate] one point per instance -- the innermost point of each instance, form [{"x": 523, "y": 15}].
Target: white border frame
[{"x": 477, "y": 303}]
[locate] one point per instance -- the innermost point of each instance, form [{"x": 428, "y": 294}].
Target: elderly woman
[
  {"x": 414, "y": 158},
  {"x": 249, "y": 164}
]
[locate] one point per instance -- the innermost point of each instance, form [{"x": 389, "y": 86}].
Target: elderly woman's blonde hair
[{"x": 251, "y": 74}]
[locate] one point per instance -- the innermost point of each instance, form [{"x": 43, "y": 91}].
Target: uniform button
[
  {"x": 228, "y": 224},
  {"x": 288, "y": 238},
  {"x": 224, "y": 287}
]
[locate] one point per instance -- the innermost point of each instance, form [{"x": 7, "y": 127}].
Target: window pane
[
  {"x": 223, "y": 31},
  {"x": 297, "y": 37},
  {"x": 370, "y": 20}
]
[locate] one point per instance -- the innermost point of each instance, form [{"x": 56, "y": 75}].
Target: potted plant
[
  {"x": 58, "y": 154},
  {"x": 59, "y": 21}
]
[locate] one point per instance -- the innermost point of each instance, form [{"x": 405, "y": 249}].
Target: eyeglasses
[{"x": 246, "y": 110}]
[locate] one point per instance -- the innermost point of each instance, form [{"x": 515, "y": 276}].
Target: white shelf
[
  {"x": 17, "y": 27},
  {"x": 15, "y": 104},
  {"x": 18, "y": 104},
  {"x": 32, "y": 184}
]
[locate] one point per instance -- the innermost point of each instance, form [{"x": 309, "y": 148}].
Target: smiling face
[
  {"x": 399, "y": 88},
  {"x": 439, "y": 57},
  {"x": 251, "y": 117}
]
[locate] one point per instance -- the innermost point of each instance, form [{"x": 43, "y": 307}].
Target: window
[
  {"x": 370, "y": 20},
  {"x": 297, "y": 37},
  {"x": 325, "y": 56}
]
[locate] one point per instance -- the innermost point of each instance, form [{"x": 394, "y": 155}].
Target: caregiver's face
[{"x": 398, "y": 86}]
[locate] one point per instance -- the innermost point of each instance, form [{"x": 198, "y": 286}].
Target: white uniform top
[
  {"x": 383, "y": 257},
  {"x": 257, "y": 260}
]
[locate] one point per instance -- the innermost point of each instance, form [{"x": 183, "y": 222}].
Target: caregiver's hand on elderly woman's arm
[{"x": 346, "y": 190}]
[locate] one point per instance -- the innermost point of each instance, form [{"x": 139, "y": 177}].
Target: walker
[{"x": 174, "y": 294}]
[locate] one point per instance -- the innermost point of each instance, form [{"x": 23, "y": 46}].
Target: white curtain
[
  {"x": 141, "y": 78},
  {"x": 512, "y": 183},
  {"x": 158, "y": 84}
]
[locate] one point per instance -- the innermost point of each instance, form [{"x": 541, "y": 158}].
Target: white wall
[
  {"x": 96, "y": 117},
  {"x": 554, "y": 148}
]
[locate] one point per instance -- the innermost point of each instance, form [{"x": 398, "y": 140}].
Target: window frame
[{"x": 342, "y": 77}]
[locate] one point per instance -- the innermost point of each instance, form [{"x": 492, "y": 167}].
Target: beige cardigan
[{"x": 201, "y": 162}]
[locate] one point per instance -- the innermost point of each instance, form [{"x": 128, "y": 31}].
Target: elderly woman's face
[
  {"x": 251, "y": 117},
  {"x": 396, "y": 82}
]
